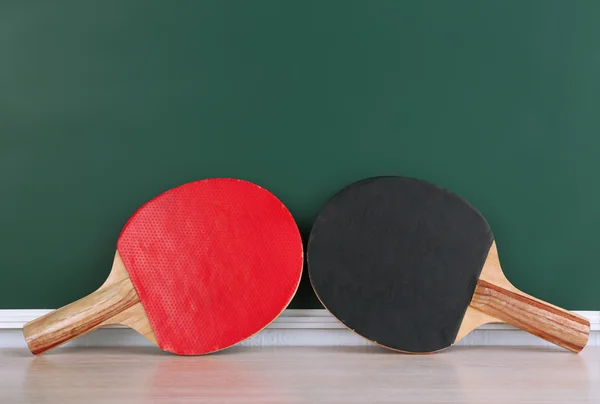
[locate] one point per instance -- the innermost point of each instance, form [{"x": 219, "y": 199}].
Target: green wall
[{"x": 104, "y": 104}]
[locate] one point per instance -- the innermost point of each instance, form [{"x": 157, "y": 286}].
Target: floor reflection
[{"x": 301, "y": 375}]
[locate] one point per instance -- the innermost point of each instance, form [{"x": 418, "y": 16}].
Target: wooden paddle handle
[
  {"x": 544, "y": 320},
  {"x": 79, "y": 317}
]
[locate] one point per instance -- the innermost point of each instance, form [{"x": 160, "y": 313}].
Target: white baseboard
[{"x": 292, "y": 328}]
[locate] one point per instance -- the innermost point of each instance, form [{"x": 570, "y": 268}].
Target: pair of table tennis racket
[{"x": 399, "y": 261}]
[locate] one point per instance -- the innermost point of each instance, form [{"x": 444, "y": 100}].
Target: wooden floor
[{"x": 301, "y": 375}]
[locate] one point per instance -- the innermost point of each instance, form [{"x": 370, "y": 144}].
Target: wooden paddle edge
[
  {"x": 492, "y": 272},
  {"x": 135, "y": 316},
  {"x": 90, "y": 313},
  {"x": 493, "y": 282}
]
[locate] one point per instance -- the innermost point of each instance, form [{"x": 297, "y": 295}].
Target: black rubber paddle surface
[{"x": 397, "y": 261}]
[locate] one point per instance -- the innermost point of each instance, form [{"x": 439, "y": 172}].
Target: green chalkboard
[{"x": 105, "y": 104}]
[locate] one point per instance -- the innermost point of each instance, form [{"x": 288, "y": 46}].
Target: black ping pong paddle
[{"x": 414, "y": 268}]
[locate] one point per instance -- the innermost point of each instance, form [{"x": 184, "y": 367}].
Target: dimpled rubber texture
[
  {"x": 397, "y": 260},
  {"x": 213, "y": 262}
]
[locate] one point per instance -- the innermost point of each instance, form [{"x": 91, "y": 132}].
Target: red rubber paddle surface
[{"x": 213, "y": 262}]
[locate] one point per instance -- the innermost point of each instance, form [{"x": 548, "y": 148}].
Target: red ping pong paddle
[
  {"x": 415, "y": 268},
  {"x": 197, "y": 269}
]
